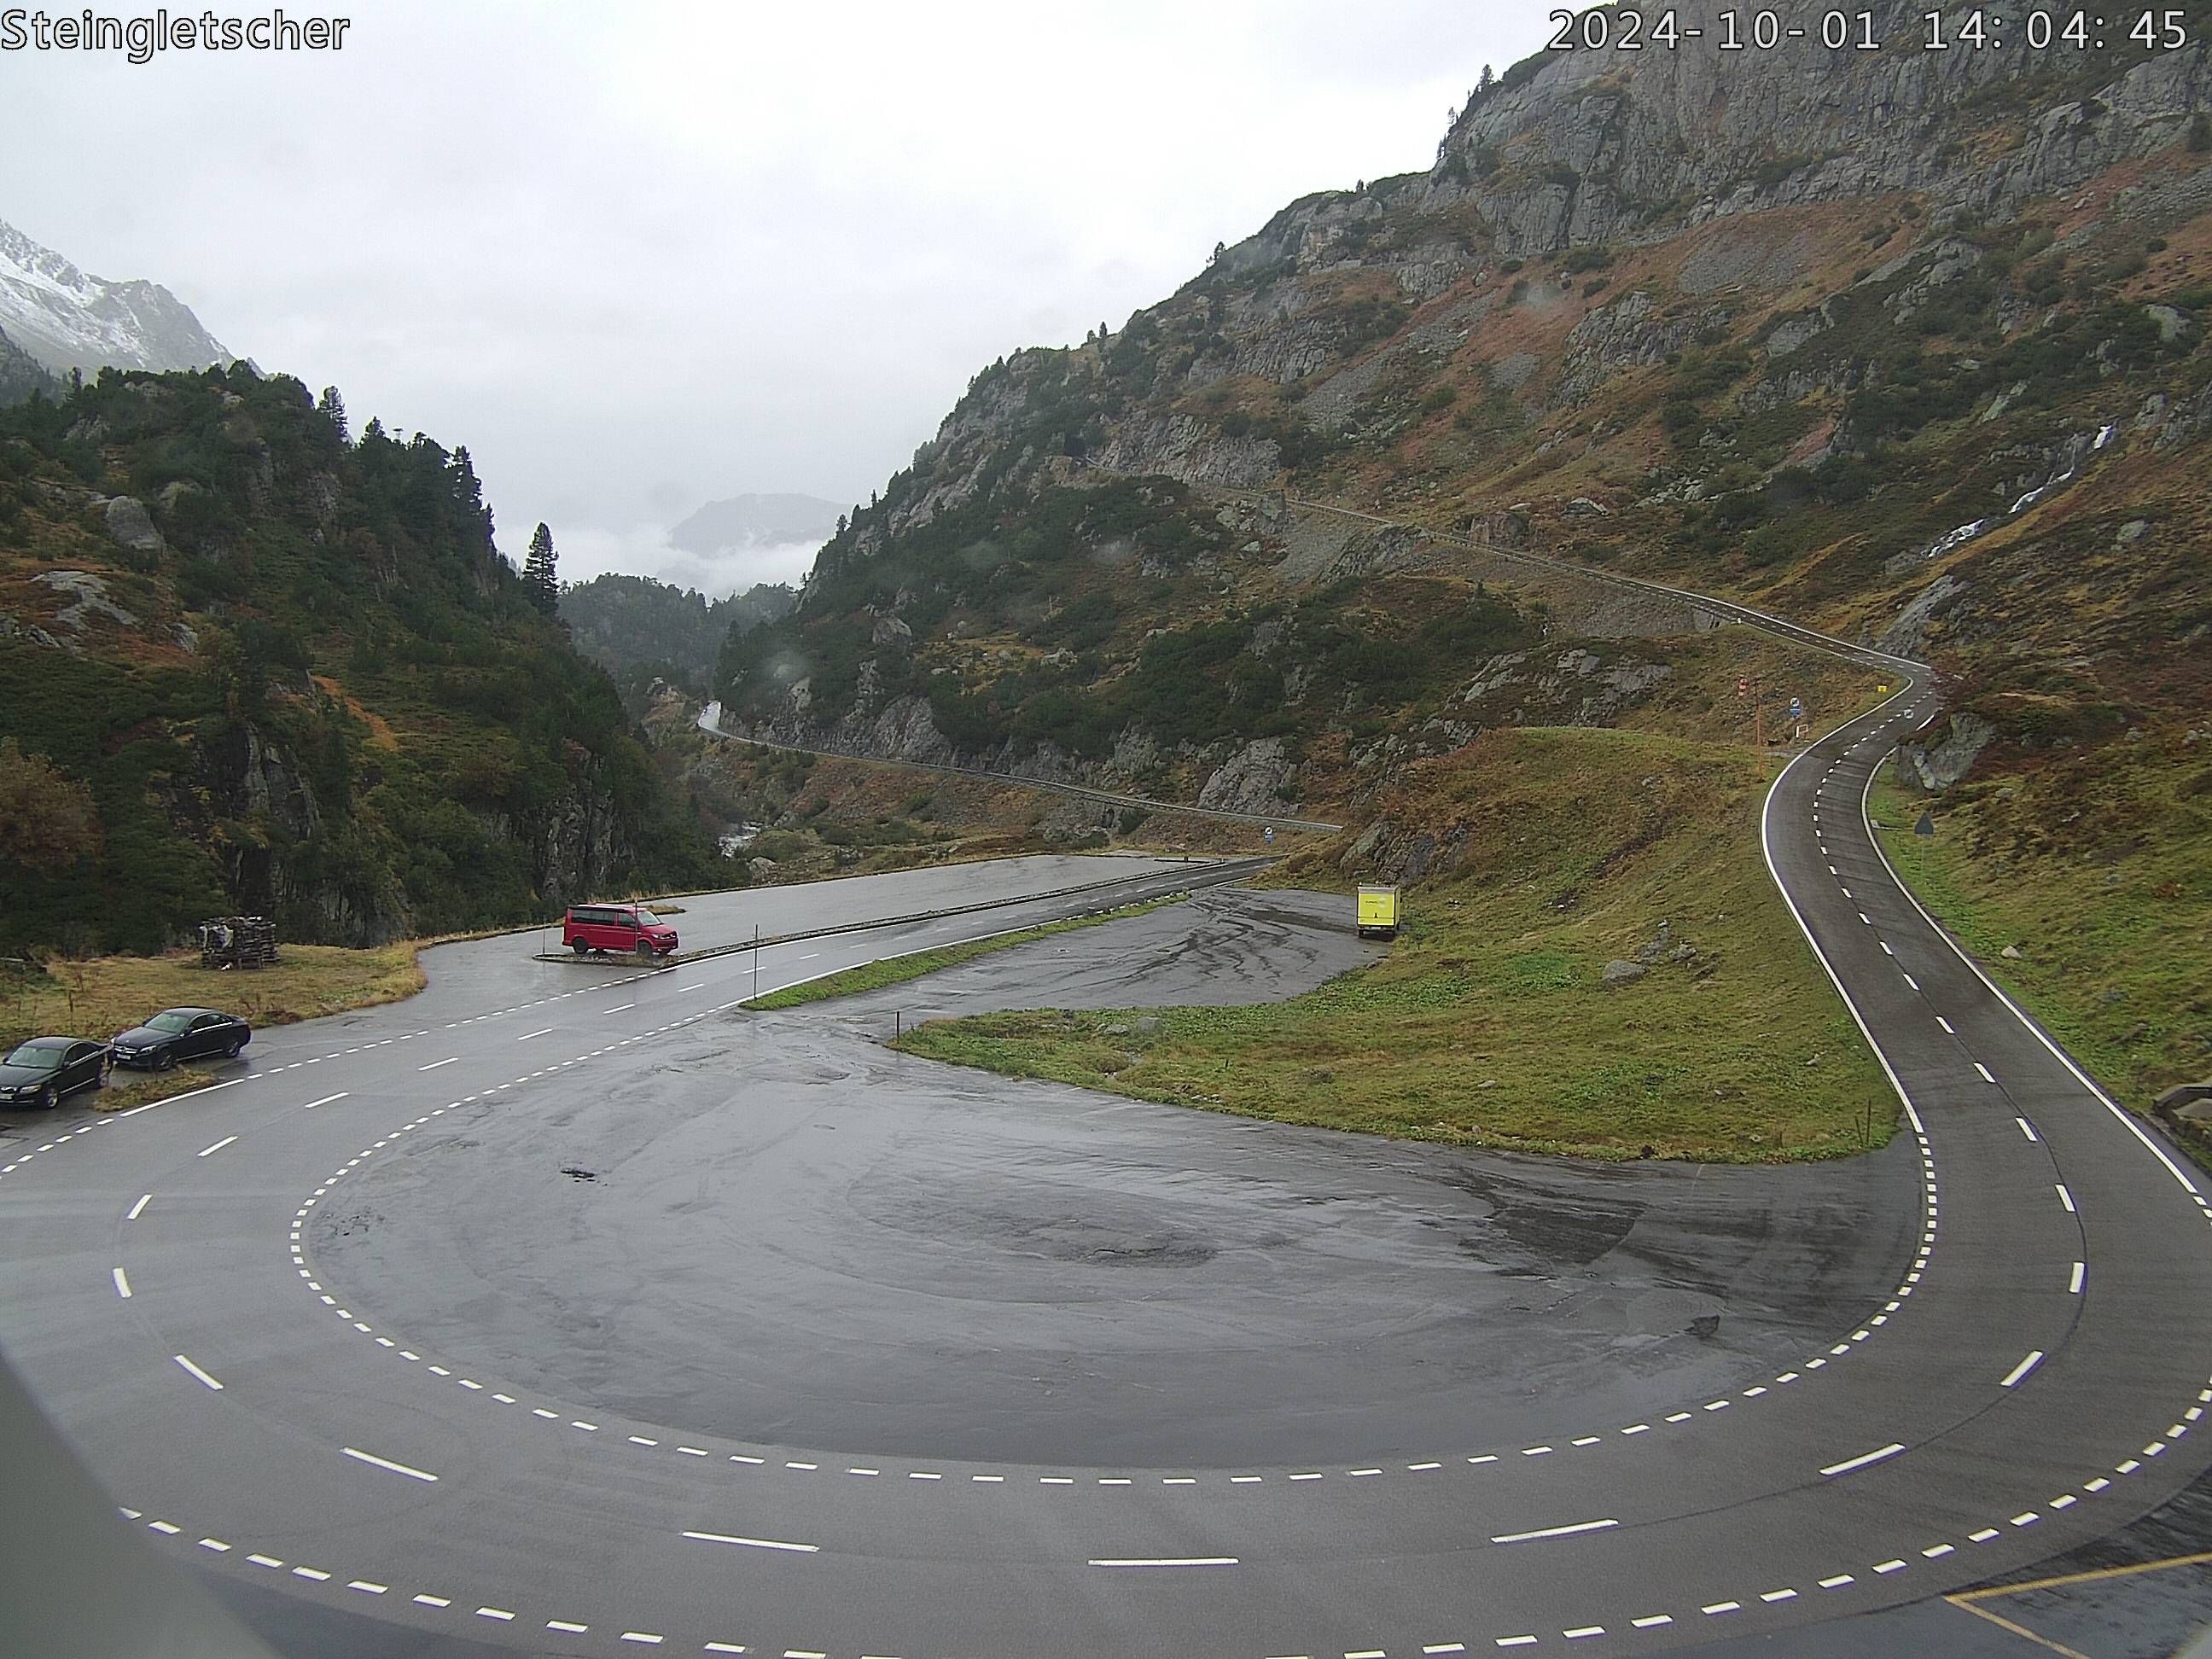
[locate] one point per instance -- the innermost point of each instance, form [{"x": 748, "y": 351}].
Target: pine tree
[
  {"x": 1488, "y": 80},
  {"x": 333, "y": 410},
  {"x": 538, "y": 579}
]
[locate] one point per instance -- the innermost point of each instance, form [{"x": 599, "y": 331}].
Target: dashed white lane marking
[
  {"x": 412, "y": 1473},
  {"x": 1553, "y": 1532},
  {"x": 2067, "y": 1199},
  {"x": 448, "y": 1060},
  {"x": 2026, "y": 1128},
  {"x": 1168, "y": 1561},
  {"x": 205, "y": 1150},
  {"x": 541, "y": 1031},
  {"x": 1886, "y": 949},
  {"x": 2013, "y": 1377},
  {"x": 1946, "y": 1025},
  {"x": 1985, "y": 1071},
  {"x": 2073, "y": 1284},
  {"x": 755, "y": 1543},
  {"x": 197, "y": 1372},
  {"x": 810, "y": 956},
  {"x": 695, "y": 985},
  {"x": 1863, "y": 1459},
  {"x": 1913, "y": 982},
  {"x": 622, "y": 1009},
  {"x": 139, "y": 1208},
  {"x": 122, "y": 1283},
  {"x": 326, "y": 1100}
]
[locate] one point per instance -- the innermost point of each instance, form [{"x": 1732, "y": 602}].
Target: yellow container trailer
[{"x": 1378, "y": 912}]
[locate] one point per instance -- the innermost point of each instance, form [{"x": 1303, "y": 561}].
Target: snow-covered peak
[{"x": 67, "y": 319}]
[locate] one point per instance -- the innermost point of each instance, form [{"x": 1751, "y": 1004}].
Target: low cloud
[{"x": 587, "y": 551}]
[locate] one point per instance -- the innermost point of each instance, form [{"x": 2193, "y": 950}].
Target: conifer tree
[
  {"x": 538, "y": 579},
  {"x": 333, "y": 411}
]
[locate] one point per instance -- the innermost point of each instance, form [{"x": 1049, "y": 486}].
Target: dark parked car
[
  {"x": 40, "y": 1072},
  {"x": 177, "y": 1034}
]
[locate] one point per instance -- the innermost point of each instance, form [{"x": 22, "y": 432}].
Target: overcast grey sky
[{"x": 640, "y": 257}]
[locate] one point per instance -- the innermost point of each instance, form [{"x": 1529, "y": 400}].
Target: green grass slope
[
  {"x": 2097, "y": 870},
  {"x": 1555, "y": 851}
]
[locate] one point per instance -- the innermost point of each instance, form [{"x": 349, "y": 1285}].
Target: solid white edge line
[
  {"x": 1766, "y": 849},
  {"x": 386, "y": 1463},
  {"x": 1863, "y": 1459},
  {"x": 171, "y": 1100},
  {"x": 2021, "y": 1014}
]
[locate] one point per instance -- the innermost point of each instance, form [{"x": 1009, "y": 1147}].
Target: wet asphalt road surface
[
  {"x": 783, "y": 1231},
  {"x": 1951, "y": 1364}
]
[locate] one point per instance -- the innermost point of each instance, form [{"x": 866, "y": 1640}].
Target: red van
[{"x": 629, "y": 928}]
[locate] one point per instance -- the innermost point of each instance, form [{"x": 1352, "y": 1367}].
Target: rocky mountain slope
[
  {"x": 21, "y": 374},
  {"x": 255, "y": 663},
  {"x": 69, "y": 320},
  {"x": 1906, "y": 343}
]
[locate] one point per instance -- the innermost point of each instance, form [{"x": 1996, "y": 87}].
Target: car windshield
[
  {"x": 171, "y": 1021},
  {"x": 39, "y": 1056}
]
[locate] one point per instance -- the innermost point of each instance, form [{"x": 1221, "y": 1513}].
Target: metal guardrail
[
  {"x": 1084, "y": 792},
  {"x": 1211, "y": 874}
]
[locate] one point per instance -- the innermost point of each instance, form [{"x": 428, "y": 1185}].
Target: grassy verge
[
  {"x": 1553, "y": 852},
  {"x": 102, "y": 995},
  {"x": 894, "y": 970},
  {"x": 2099, "y": 874}
]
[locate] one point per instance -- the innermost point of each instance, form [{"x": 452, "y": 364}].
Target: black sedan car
[
  {"x": 177, "y": 1034},
  {"x": 40, "y": 1072}
]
